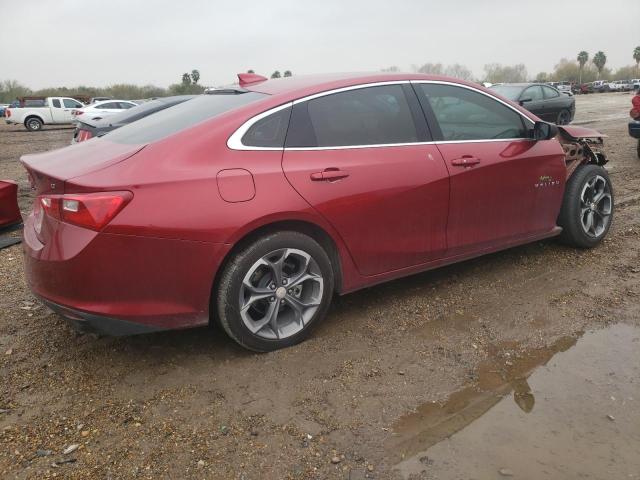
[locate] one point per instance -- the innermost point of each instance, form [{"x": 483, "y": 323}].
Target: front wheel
[
  {"x": 273, "y": 292},
  {"x": 587, "y": 207}
]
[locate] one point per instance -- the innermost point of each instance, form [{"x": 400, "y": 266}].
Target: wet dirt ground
[{"x": 520, "y": 364}]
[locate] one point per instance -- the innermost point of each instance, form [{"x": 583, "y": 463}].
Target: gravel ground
[{"x": 191, "y": 404}]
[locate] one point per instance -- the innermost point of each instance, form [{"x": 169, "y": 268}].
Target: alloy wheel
[
  {"x": 280, "y": 293},
  {"x": 595, "y": 206}
]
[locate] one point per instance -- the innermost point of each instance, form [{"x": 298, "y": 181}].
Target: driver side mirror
[
  {"x": 544, "y": 131},
  {"x": 525, "y": 100}
]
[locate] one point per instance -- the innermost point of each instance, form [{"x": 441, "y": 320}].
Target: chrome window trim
[{"x": 235, "y": 140}]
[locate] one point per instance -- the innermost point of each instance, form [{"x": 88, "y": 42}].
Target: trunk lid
[{"x": 49, "y": 171}]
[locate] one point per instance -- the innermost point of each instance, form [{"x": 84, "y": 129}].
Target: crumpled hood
[{"x": 580, "y": 132}]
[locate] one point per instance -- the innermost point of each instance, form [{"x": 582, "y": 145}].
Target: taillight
[
  {"x": 90, "y": 210},
  {"x": 83, "y": 135},
  {"x": 7, "y": 113}
]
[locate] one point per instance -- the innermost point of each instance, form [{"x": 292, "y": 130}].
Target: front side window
[
  {"x": 365, "y": 116},
  {"x": 464, "y": 114},
  {"x": 268, "y": 132}
]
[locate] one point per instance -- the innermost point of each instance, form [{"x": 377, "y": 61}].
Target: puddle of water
[{"x": 539, "y": 414}]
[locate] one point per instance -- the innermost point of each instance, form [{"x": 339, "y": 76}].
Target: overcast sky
[{"x": 71, "y": 42}]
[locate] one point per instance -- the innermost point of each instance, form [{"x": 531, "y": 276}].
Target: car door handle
[
  {"x": 329, "y": 175},
  {"x": 465, "y": 161}
]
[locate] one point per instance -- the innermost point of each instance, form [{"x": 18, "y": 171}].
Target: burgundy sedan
[{"x": 252, "y": 205}]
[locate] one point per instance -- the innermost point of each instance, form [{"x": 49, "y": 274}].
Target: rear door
[
  {"x": 57, "y": 110},
  {"x": 359, "y": 157},
  {"x": 504, "y": 186},
  {"x": 555, "y": 101}
]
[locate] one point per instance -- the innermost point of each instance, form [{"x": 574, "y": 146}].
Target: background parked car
[
  {"x": 54, "y": 111},
  {"x": 600, "y": 86},
  {"x": 3, "y": 107},
  {"x": 87, "y": 128},
  {"x": 99, "y": 110},
  {"x": 543, "y": 100}
]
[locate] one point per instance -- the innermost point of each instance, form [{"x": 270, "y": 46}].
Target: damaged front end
[{"x": 581, "y": 146}]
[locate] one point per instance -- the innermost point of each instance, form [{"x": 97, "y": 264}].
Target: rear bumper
[
  {"x": 121, "y": 284},
  {"x": 90, "y": 323}
]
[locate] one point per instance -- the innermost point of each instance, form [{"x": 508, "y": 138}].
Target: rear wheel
[
  {"x": 33, "y": 124},
  {"x": 564, "y": 117},
  {"x": 587, "y": 208},
  {"x": 273, "y": 292},
  {"x": 638, "y": 148}
]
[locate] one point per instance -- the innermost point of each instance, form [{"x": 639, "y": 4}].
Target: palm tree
[
  {"x": 287, "y": 73},
  {"x": 583, "y": 58},
  {"x": 276, "y": 74},
  {"x": 636, "y": 57},
  {"x": 186, "y": 79},
  {"x": 251, "y": 71},
  {"x": 599, "y": 60},
  {"x": 195, "y": 75}
]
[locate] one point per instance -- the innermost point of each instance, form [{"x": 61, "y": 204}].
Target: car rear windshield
[
  {"x": 187, "y": 114},
  {"x": 511, "y": 92},
  {"x": 143, "y": 110}
]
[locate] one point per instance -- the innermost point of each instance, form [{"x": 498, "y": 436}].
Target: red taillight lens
[
  {"x": 90, "y": 210},
  {"x": 83, "y": 135},
  {"x": 7, "y": 113}
]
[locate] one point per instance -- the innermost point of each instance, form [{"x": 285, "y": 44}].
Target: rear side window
[
  {"x": 550, "y": 92},
  {"x": 56, "y": 102},
  {"x": 366, "y": 116},
  {"x": 125, "y": 106},
  {"x": 109, "y": 106},
  {"x": 464, "y": 114},
  {"x": 180, "y": 117},
  {"x": 268, "y": 132},
  {"x": 532, "y": 94},
  {"x": 68, "y": 103}
]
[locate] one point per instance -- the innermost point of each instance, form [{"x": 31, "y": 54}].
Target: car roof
[
  {"x": 304, "y": 85},
  {"x": 101, "y": 102}
]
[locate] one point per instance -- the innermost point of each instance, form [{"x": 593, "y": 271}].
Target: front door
[
  {"x": 359, "y": 159},
  {"x": 504, "y": 185}
]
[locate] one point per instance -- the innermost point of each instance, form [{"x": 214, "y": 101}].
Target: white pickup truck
[{"x": 56, "y": 111}]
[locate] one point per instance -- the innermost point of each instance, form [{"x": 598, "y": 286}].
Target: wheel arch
[
  {"x": 313, "y": 230},
  {"x": 33, "y": 115}
]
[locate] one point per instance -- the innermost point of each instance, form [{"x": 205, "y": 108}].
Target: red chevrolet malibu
[{"x": 251, "y": 206}]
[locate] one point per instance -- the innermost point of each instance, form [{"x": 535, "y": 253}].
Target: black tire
[
  {"x": 229, "y": 291},
  {"x": 564, "y": 117},
  {"x": 574, "y": 212},
  {"x": 33, "y": 124},
  {"x": 638, "y": 149}
]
